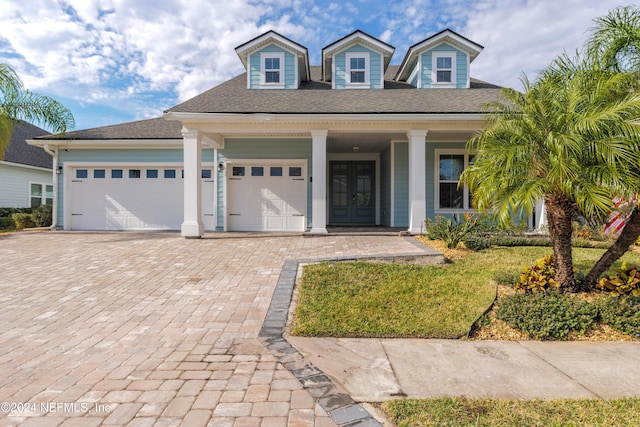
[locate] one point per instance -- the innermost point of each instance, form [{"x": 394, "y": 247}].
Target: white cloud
[{"x": 525, "y": 37}]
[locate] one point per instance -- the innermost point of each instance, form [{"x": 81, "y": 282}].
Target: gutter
[{"x": 54, "y": 209}]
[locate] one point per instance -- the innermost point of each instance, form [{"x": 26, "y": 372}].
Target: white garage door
[
  {"x": 133, "y": 198},
  {"x": 266, "y": 197}
]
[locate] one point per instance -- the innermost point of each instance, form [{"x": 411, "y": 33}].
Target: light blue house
[{"x": 287, "y": 146}]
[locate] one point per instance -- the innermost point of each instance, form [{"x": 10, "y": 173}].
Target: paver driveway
[{"x": 151, "y": 329}]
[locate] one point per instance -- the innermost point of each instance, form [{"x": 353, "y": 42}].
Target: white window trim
[
  {"x": 367, "y": 64},
  {"x": 465, "y": 195},
  {"x": 434, "y": 69},
  {"x": 263, "y": 83},
  {"x": 43, "y": 195}
]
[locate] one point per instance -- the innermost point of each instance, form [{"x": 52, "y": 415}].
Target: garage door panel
[
  {"x": 145, "y": 203},
  {"x": 266, "y": 203}
]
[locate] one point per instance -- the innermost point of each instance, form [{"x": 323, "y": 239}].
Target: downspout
[{"x": 54, "y": 208}]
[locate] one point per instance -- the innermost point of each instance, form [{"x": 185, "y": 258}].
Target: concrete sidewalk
[{"x": 374, "y": 370}]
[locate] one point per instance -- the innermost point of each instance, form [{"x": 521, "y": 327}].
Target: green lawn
[
  {"x": 357, "y": 299},
  {"x": 459, "y": 412}
]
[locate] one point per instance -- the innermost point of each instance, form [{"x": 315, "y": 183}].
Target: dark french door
[{"x": 352, "y": 192}]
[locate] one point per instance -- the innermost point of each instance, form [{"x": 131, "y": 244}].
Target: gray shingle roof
[
  {"x": 157, "y": 128},
  {"x": 313, "y": 97},
  {"x": 22, "y": 153},
  {"x": 316, "y": 96}
]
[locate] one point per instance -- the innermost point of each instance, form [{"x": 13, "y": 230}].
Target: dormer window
[
  {"x": 357, "y": 72},
  {"x": 443, "y": 67},
  {"x": 444, "y": 71},
  {"x": 272, "y": 70}
]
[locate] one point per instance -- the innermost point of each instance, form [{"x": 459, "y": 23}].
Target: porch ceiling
[{"x": 344, "y": 142}]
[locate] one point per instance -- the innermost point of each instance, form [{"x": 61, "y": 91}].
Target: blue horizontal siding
[
  {"x": 289, "y": 67},
  {"x": 375, "y": 67},
  {"x": 460, "y": 63}
]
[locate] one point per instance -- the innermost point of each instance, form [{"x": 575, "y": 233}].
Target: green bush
[
  {"x": 6, "y": 223},
  {"x": 519, "y": 241},
  {"x": 7, "y": 212},
  {"x": 476, "y": 242},
  {"x": 23, "y": 220},
  {"x": 42, "y": 216},
  {"x": 451, "y": 231},
  {"x": 623, "y": 316},
  {"x": 547, "y": 315}
]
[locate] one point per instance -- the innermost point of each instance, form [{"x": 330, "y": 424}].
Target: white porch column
[
  {"x": 417, "y": 178},
  {"x": 192, "y": 226},
  {"x": 319, "y": 183}
]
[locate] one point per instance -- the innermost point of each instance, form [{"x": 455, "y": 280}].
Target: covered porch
[{"x": 359, "y": 172}]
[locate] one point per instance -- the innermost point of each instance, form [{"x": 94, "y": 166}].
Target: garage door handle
[
  {"x": 297, "y": 215},
  {"x": 76, "y": 214},
  {"x": 234, "y": 214}
]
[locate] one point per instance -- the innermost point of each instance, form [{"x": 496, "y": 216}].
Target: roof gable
[
  {"x": 447, "y": 36},
  {"x": 355, "y": 38},
  {"x": 273, "y": 38}
]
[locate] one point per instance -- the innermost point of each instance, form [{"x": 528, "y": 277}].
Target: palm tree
[
  {"x": 615, "y": 45},
  {"x": 18, "y": 103},
  {"x": 570, "y": 139},
  {"x": 615, "y": 40}
]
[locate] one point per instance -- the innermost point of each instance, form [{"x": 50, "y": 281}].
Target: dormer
[
  {"x": 440, "y": 61},
  {"x": 273, "y": 61},
  {"x": 357, "y": 61}
]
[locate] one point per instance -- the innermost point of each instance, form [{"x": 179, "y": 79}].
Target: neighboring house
[
  {"x": 287, "y": 146},
  {"x": 25, "y": 171}
]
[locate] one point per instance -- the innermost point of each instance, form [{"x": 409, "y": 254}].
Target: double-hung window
[
  {"x": 450, "y": 197},
  {"x": 444, "y": 71},
  {"x": 41, "y": 194},
  {"x": 357, "y": 69},
  {"x": 272, "y": 70}
]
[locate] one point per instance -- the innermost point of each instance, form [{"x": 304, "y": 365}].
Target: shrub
[
  {"x": 42, "y": 216},
  {"x": 22, "y": 220},
  {"x": 6, "y": 223},
  {"x": 625, "y": 283},
  {"x": 538, "y": 278},
  {"x": 547, "y": 315},
  {"x": 623, "y": 316},
  {"x": 7, "y": 212},
  {"x": 476, "y": 242},
  {"x": 519, "y": 241},
  {"x": 451, "y": 231}
]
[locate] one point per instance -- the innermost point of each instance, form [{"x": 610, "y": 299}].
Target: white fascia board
[
  {"x": 213, "y": 118},
  {"x": 108, "y": 143},
  {"x": 340, "y": 45}
]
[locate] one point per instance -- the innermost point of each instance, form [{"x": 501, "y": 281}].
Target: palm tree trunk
[
  {"x": 628, "y": 236},
  {"x": 560, "y": 212}
]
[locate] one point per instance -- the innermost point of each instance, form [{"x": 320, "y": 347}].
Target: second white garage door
[{"x": 264, "y": 197}]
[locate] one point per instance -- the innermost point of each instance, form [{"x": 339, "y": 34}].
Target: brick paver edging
[{"x": 341, "y": 407}]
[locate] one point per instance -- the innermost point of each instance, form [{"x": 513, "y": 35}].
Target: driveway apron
[{"x": 146, "y": 329}]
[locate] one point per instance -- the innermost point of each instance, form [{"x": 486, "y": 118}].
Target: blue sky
[{"x": 113, "y": 61}]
